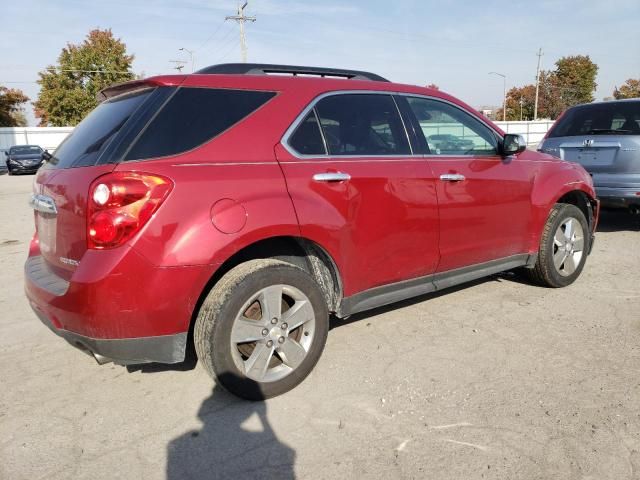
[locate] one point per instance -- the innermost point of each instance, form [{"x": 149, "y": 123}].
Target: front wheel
[
  {"x": 262, "y": 328},
  {"x": 563, "y": 247}
]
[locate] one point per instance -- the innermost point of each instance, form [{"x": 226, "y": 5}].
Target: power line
[
  {"x": 241, "y": 18},
  {"x": 212, "y": 35}
]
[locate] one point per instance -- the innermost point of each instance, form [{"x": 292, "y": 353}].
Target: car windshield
[
  {"x": 615, "y": 118},
  {"x": 25, "y": 150}
]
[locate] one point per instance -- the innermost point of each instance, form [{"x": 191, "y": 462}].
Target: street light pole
[
  {"x": 190, "y": 52},
  {"x": 504, "y": 96}
]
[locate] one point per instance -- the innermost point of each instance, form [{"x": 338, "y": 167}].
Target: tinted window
[
  {"x": 92, "y": 136},
  {"x": 307, "y": 138},
  {"x": 362, "y": 124},
  {"x": 615, "y": 118},
  {"x": 193, "y": 116},
  {"x": 449, "y": 130}
]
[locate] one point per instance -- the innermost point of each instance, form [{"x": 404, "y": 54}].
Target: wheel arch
[{"x": 301, "y": 252}]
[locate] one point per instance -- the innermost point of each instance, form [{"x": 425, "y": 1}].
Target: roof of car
[{"x": 607, "y": 102}]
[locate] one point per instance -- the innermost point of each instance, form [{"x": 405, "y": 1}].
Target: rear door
[
  {"x": 359, "y": 191},
  {"x": 484, "y": 199}
]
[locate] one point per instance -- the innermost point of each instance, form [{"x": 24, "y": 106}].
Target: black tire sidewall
[
  {"x": 564, "y": 211},
  {"x": 224, "y": 366}
]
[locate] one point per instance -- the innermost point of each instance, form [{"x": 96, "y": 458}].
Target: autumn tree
[
  {"x": 11, "y": 107},
  {"x": 68, "y": 90},
  {"x": 630, "y": 89}
]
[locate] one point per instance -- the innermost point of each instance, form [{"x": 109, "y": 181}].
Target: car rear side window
[
  {"x": 362, "y": 124},
  {"x": 94, "y": 134},
  {"x": 307, "y": 139},
  {"x": 192, "y": 117},
  {"x": 615, "y": 118}
]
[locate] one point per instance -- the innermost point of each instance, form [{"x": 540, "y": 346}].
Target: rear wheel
[
  {"x": 563, "y": 247},
  {"x": 262, "y": 328}
]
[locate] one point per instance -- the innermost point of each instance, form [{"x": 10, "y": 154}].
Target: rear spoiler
[{"x": 120, "y": 88}]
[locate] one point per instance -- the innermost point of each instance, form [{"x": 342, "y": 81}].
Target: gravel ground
[{"x": 497, "y": 379}]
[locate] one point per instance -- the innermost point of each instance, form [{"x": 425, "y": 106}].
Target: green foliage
[
  {"x": 571, "y": 83},
  {"x": 630, "y": 89},
  {"x": 68, "y": 90},
  {"x": 11, "y": 113}
]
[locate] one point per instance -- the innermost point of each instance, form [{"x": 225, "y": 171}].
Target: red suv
[{"x": 240, "y": 207}]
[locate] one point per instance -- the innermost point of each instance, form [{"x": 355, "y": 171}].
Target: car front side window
[{"x": 449, "y": 130}]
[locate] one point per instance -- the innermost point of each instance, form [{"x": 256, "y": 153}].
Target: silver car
[{"x": 603, "y": 137}]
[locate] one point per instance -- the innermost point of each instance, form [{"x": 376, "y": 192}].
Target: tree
[
  {"x": 630, "y": 89},
  {"x": 11, "y": 113},
  {"x": 68, "y": 90},
  {"x": 576, "y": 76},
  {"x": 520, "y": 103}
]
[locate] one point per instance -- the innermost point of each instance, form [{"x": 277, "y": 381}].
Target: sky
[{"x": 454, "y": 44}]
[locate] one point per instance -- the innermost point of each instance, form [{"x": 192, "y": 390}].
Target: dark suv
[
  {"x": 604, "y": 138},
  {"x": 241, "y": 209}
]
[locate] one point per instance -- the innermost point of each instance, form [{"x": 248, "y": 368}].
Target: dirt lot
[{"x": 498, "y": 379}]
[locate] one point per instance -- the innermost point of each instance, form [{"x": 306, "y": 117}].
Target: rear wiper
[{"x": 597, "y": 131}]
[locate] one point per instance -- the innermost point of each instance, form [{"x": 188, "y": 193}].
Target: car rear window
[
  {"x": 94, "y": 134},
  {"x": 192, "y": 117},
  {"x": 615, "y": 118}
]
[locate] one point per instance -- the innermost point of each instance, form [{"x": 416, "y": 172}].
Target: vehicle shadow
[
  {"x": 236, "y": 440},
  {"x": 617, "y": 221}
]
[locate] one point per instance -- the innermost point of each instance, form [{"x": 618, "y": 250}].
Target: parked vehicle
[
  {"x": 604, "y": 137},
  {"x": 24, "y": 159},
  {"x": 246, "y": 207}
]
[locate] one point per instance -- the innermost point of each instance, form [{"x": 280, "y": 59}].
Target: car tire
[
  {"x": 9, "y": 172},
  {"x": 563, "y": 247},
  {"x": 262, "y": 328}
]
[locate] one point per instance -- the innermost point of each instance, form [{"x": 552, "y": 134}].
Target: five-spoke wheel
[{"x": 262, "y": 328}]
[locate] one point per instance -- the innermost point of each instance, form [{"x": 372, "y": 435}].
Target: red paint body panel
[
  {"x": 379, "y": 227},
  {"x": 483, "y": 217},
  {"x": 393, "y": 221}
]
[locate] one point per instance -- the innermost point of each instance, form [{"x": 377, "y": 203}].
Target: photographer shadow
[{"x": 236, "y": 440}]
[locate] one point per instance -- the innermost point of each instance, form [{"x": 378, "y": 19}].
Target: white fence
[
  {"x": 47, "y": 137},
  {"x": 50, "y": 137},
  {"x": 531, "y": 131}
]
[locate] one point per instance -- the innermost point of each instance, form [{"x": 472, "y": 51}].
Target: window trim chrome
[{"x": 312, "y": 105}]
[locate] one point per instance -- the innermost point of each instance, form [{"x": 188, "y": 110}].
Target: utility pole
[
  {"x": 190, "y": 52},
  {"x": 504, "y": 94},
  {"x": 241, "y": 18},
  {"x": 521, "y": 102},
  {"x": 179, "y": 64},
  {"x": 535, "y": 108}
]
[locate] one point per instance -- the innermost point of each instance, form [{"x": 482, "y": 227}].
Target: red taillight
[{"x": 120, "y": 203}]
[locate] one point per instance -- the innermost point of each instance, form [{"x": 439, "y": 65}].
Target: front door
[{"x": 484, "y": 199}]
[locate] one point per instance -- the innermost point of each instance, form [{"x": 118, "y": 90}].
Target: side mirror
[
  {"x": 6, "y": 152},
  {"x": 513, "y": 144},
  {"x": 46, "y": 156}
]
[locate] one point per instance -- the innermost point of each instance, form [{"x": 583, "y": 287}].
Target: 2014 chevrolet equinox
[{"x": 246, "y": 207}]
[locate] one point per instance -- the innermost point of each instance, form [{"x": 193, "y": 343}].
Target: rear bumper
[
  {"x": 117, "y": 305},
  {"x": 622, "y": 197},
  {"x": 125, "y": 351}
]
